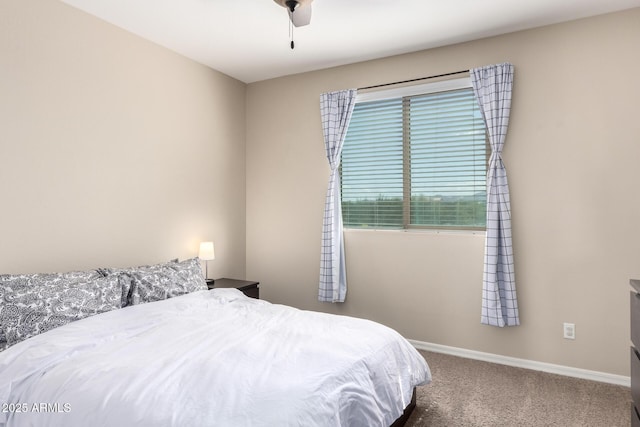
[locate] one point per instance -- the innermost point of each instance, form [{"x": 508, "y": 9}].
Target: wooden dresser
[{"x": 635, "y": 352}]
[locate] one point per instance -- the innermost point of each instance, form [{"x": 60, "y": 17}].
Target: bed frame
[{"x": 401, "y": 421}]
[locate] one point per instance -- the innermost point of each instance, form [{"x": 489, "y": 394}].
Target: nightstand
[{"x": 248, "y": 287}]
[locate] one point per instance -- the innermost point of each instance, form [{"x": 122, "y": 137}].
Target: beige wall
[
  {"x": 113, "y": 150},
  {"x": 572, "y": 157}
]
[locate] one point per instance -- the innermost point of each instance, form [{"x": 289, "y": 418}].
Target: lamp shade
[{"x": 206, "y": 251}]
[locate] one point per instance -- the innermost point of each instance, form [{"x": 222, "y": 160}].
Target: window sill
[{"x": 417, "y": 231}]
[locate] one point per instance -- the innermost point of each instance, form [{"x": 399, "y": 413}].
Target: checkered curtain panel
[
  {"x": 336, "y": 109},
  {"x": 492, "y": 87}
]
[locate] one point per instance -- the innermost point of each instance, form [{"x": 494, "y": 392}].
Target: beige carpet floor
[{"x": 470, "y": 393}]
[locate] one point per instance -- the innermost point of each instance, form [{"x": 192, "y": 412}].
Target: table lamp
[{"x": 206, "y": 254}]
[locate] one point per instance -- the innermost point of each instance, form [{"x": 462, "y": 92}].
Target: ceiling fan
[{"x": 299, "y": 11}]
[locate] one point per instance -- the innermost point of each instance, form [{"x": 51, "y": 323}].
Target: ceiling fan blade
[{"x": 301, "y": 16}]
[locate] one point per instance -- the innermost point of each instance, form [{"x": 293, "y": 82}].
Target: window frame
[{"x": 403, "y": 93}]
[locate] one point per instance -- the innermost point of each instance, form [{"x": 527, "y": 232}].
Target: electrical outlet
[{"x": 570, "y": 331}]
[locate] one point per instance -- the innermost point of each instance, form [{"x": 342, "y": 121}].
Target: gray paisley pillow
[
  {"x": 45, "y": 279},
  {"x": 12, "y": 283},
  {"x": 126, "y": 277},
  {"x": 168, "y": 280},
  {"x": 29, "y": 311}
]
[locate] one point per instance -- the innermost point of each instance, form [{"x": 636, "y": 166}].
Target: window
[{"x": 416, "y": 157}]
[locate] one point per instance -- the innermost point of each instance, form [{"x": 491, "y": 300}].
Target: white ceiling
[{"x": 249, "y": 39}]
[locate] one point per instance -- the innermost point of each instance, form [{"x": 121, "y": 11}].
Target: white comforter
[{"x": 211, "y": 358}]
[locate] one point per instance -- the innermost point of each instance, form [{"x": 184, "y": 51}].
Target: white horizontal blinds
[
  {"x": 448, "y": 160},
  {"x": 416, "y": 157},
  {"x": 372, "y": 167}
]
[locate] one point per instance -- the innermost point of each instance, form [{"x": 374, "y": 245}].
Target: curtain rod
[{"x": 414, "y": 80}]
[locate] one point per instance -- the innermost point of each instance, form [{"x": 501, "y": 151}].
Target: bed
[{"x": 195, "y": 357}]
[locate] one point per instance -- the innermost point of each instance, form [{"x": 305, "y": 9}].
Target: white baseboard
[{"x": 524, "y": 363}]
